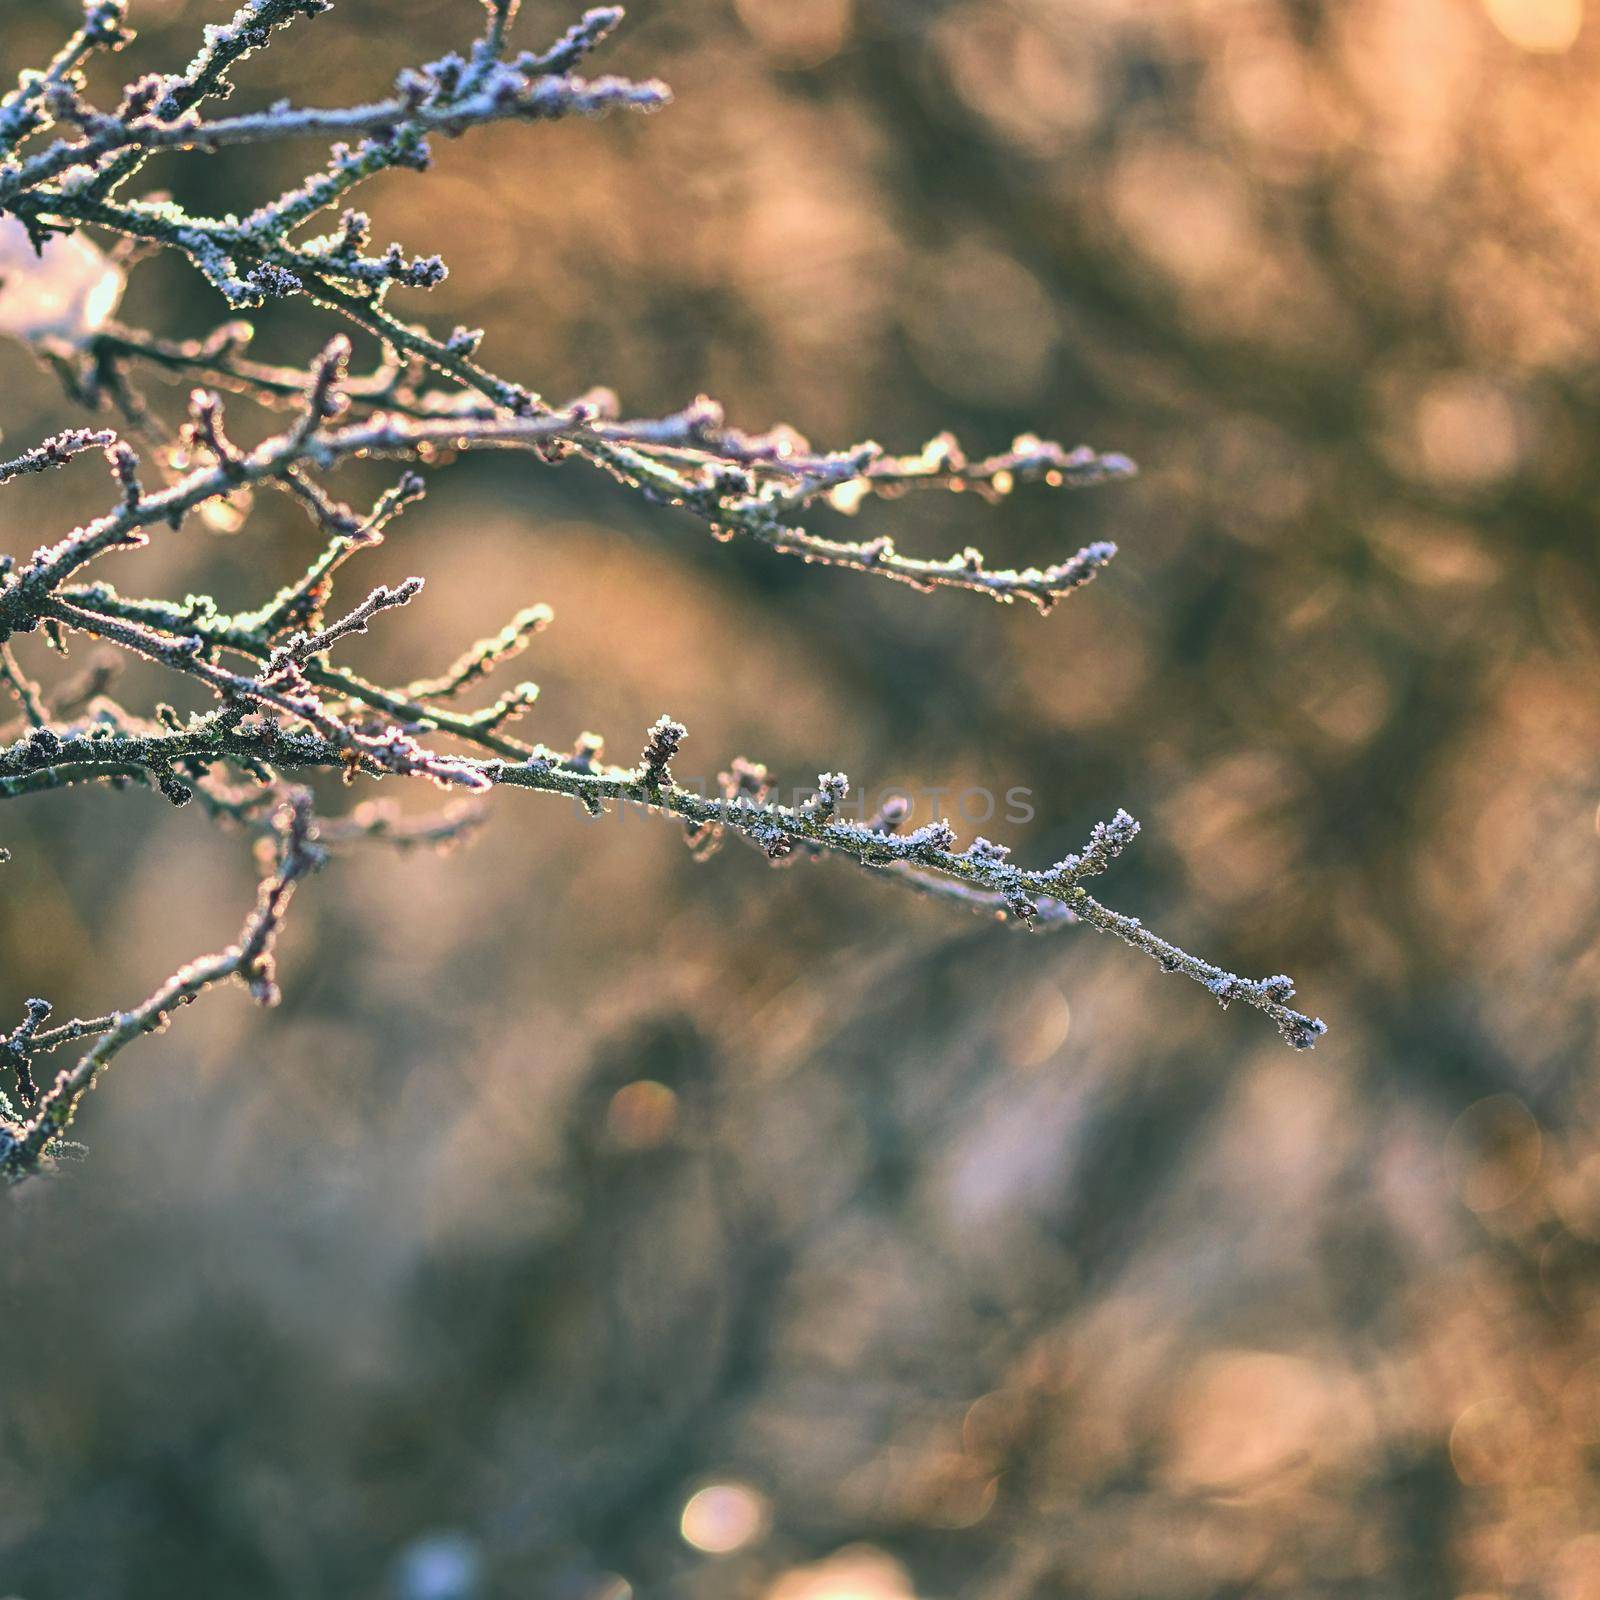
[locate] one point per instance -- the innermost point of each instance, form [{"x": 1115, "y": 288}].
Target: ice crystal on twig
[{"x": 281, "y": 703}]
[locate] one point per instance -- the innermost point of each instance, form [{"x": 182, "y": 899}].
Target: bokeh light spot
[
  {"x": 439, "y": 1566},
  {"x": 1038, "y": 1027},
  {"x": 857, "y": 1572},
  {"x": 642, "y": 1115},
  {"x": 1493, "y": 1152},
  {"x": 1545, "y": 26},
  {"x": 1467, "y": 432},
  {"x": 1490, "y": 1441},
  {"x": 797, "y": 33},
  {"x": 1245, "y": 1417},
  {"x": 724, "y": 1517}
]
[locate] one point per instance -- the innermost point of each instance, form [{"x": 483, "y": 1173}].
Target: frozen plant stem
[
  {"x": 24, "y": 1145},
  {"x": 282, "y": 705}
]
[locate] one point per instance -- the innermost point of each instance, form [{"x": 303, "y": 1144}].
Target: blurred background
[{"x": 590, "y": 1223}]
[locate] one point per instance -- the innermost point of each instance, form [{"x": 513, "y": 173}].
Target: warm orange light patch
[{"x": 1546, "y": 26}]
